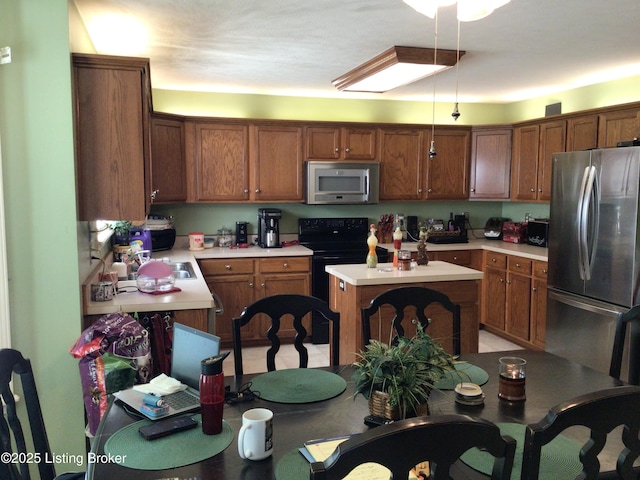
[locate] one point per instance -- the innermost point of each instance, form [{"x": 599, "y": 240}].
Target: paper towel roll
[{"x": 121, "y": 268}]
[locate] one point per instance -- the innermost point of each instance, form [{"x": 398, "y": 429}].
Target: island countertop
[{"x": 386, "y": 274}]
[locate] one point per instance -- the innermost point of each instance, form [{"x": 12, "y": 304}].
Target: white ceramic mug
[{"x": 255, "y": 439}]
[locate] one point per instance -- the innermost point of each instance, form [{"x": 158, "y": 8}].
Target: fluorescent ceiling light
[
  {"x": 468, "y": 10},
  {"x": 395, "y": 67}
]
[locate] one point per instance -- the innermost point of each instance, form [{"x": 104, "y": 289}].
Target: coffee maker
[{"x": 269, "y": 227}]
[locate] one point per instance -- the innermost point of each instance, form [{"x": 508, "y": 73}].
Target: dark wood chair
[
  {"x": 417, "y": 297},
  {"x": 631, "y": 317},
  {"x": 11, "y": 431},
  {"x": 600, "y": 412},
  {"x": 400, "y": 446},
  {"x": 275, "y": 307}
]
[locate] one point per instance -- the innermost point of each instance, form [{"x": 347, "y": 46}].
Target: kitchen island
[{"x": 352, "y": 287}]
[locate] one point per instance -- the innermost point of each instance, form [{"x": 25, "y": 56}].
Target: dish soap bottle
[
  {"x": 397, "y": 244},
  {"x": 212, "y": 394},
  {"x": 372, "y": 242}
]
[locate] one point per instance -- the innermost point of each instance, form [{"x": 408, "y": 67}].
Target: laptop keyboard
[{"x": 180, "y": 400}]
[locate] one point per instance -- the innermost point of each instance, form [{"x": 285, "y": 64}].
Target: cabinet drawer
[
  {"x": 227, "y": 266},
  {"x": 540, "y": 269},
  {"x": 459, "y": 257},
  {"x": 495, "y": 260},
  {"x": 520, "y": 265},
  {"x": 284, "y": 264}
]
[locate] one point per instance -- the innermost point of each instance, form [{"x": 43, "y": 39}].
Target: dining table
[{"x": 550, "y": 380}]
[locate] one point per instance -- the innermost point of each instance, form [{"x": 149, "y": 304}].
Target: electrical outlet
[
  {"x": 466, "y": 215},
  {"x": 5, "y": 55}
]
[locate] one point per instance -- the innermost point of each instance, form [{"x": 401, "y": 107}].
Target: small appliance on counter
[
  {"x": 538, "y": 232},
  {"x": 493, "y": 228},
  {"x": 241, "y": 233},
  {"x": 514, "y": 232},
  {"x": 163, "y": 234},
  {"x": 269, "y": 227}
]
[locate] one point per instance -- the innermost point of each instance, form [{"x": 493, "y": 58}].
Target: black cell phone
[
  {"x": 375, "y": 421},
  {"x": 166, "y": 427}
]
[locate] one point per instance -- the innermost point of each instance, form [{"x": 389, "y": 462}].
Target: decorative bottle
[
  {"x": 397, "y": 244},
  {"x": 212, "y": 394},
  {"x": 422, "y": 257},
  {"x": 372, "y": 242}
]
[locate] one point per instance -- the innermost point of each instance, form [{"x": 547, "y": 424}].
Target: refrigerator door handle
[
  {"x": 582, "y": 304},
  {"x": 581, "y": 214},
  {"x": 590, "y": 224}
]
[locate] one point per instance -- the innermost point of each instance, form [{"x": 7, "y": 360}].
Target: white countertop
[
  {"x": 194, "y": 293},
  {"x": 384, "y": 273},
  {"x": 521, "y": 249}
]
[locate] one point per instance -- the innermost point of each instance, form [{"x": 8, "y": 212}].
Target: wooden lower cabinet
[
  {"x": 514, "y": 298},
  {"x": 349, "y": 299},
  {"x": 240, "y": 282},
  {"x": 465, "y": 258}
]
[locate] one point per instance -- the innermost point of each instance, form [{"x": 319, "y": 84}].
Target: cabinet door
[
  {"x": 111, "y": 97},
  {"x": 538, "y": 311},
  {"x": 447, "y": 174},
  {"x": 582, "y": 133},
  {"x": 322, "y": 143},
  {"x": 518, "y": 305},
  {"x": 490, "y": 164},
  {"x": 236, "y": 292},
  {"x": 222, "y": 162},
  {"x": 552, "y": 140},
  {"x": 524, "y": 166},
  {"x": 401, "y": 157},
  {"x": 495, "y": 297},
  {"x": 359, "y": 143},
  {"x": 618, "y": 126},
  {"x": 276, "y": 162},
  {"x": 168, "y": 166}
]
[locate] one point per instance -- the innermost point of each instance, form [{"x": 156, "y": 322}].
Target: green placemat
[
  {"x": 292, "y": 466},
  {"x": 298, "y": 385},
  {"x": 559, "y": 459},
  {"x": 177, "y": 450},
  {"x": 465, "y": 372}
]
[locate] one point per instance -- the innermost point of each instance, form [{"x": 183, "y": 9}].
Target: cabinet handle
[
  {"x": 257, "y": 190},
  {"x": 540, "y": 190},
  {"x": 419, "y": 190},
  {"x": 518, "y": 265},
  {"x": 429, "y": 190},
  {"x": 508, "y": 282},
  {"x": 502, "y": 280},
  {"x": 544, "y": 270},
  {"x": 285, "y": 265},
  {"x": 246, "y": 190},
  {"x": 534, "y": 289},
  {"x": 347, "y": 150},
  {"x": 533, "y": 190},
  {"x": 228, "y": 267},
  {"x": 493, "y": 260},
  {"x": 337, "y": 150},
  {"x": 250, "y": 284},
  {"x": 263, "y": 285},
  {"x": 473, "y": 190},
  {"x": 154, "y": 194},
  {"x": 455, "y": 258}
]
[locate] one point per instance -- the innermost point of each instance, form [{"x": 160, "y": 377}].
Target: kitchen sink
[{"x": 181, "y": 270}]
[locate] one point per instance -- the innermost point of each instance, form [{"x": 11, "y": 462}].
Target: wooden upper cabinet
[
  {"x": 112, "y": 107},
  {"x": 276, "y": 163},
  {"x": 618, "y": 126},
  {"x": 582, "y": 133},
  {"x": 402, "y": 152},
  {"x": 553, "y": 137},
  {"x": 168, "y": 164},
  {"x": 524, "y": 165},
  {"x": 221, "y": 161},
  {"x": 490, "y": 174},
  {"x": 340, "y": 143},
  {"x": 447, "y": 174}
]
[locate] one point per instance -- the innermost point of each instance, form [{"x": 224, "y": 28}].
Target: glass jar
[{"x": 404, "y": 260}]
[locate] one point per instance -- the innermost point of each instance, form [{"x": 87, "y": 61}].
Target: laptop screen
[{"x": 190, "y": 347}]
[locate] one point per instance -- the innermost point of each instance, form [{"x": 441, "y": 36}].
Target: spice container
[{"x": 404, "y": 260}]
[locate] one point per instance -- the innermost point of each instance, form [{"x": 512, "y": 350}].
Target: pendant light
[
  {"x": 456, "y": 112},
  {"x": 432, "y": 148}
]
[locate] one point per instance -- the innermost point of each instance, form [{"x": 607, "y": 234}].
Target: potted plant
[
  {"x": 398, "y": 379},
  {"x": 121, "y": 231}
]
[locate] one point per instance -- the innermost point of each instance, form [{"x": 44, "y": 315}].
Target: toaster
[{"x": 493, "y": 228}]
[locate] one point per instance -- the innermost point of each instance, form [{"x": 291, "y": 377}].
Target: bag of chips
[{"x": 114, "y": 354}]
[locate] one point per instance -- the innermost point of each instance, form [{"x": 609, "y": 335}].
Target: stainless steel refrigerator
[{"x": 594, "y": 261}]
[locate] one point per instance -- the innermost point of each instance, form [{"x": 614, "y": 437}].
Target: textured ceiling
[{"x": 525, "y": 49}]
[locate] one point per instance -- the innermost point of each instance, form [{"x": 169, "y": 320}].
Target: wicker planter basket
[{"x": 379, "y": 406}]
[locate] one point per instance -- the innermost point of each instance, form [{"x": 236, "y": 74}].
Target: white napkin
[{"x": 161, "y": 385}]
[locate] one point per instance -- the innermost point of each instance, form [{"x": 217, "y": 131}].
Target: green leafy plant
[
  {"x": 121, "y": 227},
  {"x": 407, "y": 371}
]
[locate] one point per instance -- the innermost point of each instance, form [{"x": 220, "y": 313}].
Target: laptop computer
[{"x": 190, "y": 347}]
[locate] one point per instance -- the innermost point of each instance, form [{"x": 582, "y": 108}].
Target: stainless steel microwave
[{"x": 342, "y": 183}]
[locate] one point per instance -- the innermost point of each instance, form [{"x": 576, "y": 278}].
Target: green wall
[{"x": 38, "y": 169}]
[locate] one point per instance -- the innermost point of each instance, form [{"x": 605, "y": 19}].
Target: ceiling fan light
[
  {"x": 428, "y": 7},
  {"x": 472, "y": 10}
]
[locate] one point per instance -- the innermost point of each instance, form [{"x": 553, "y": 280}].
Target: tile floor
[{"x": 254, "y": 359}]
